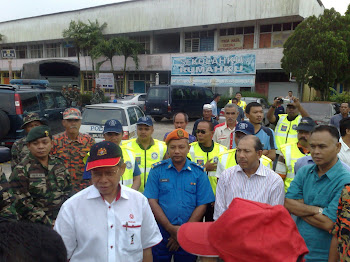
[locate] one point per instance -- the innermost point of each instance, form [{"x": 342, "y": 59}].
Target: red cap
[{"x": 247, "y": 231}]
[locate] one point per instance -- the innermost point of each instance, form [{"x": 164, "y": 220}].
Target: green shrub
[{"x": 339, "y": 97}]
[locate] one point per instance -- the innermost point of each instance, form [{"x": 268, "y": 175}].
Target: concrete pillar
[
  {"x": 256, "y": 35},
  {"x": 182, "y": 42}
]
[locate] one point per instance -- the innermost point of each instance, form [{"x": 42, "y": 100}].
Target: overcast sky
[{"x": 15, "y": 9}]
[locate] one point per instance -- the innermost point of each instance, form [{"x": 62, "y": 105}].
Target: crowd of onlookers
[{"x": 265, "y": 195}]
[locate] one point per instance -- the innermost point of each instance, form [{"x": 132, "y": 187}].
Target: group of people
[
  {"x": 145, "y": 200},
  {"x": 74, "y": 98}
]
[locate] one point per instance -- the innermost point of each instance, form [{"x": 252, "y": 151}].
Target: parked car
[
  {"x": 321, "y": 111},
  {"x": 95, "y": 116},
  {"x": 165, "y": 101},
  {"x": 16, "y": 100},
  {"x": 248, "y": 100},
  {"x": 134, "y": 99}
]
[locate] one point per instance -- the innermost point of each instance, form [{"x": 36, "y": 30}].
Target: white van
[{"x": 95, "y": 117}]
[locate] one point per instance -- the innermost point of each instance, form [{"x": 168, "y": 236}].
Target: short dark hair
[
  {"x": 211, "y": 125},
  {"x": 332, "y": 130},
  {"x": 250, "y": 105},
  {"x": 257, "y": 146},
  {"x": 30, "y": 242},
  {"x": 235, "y": 99},
  {"x": 343, "y": 125},
  {"x": 184, "y": 114},
  {"x": 290, "y": 91},
  {"x": 238, "y": 93},
  {"x": 216, "y": 95}
]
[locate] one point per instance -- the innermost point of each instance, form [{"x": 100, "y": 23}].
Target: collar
[
  {"x": 259, "y": 171},
  {"x": 303, "y": 150},
  {"x": 331, "y": 173},
  {"x": 94, "y": 193},
  {"x": 79, "y": 138},
  {"x": 207, "y": 149},
  {"x": 151, "y": 144},
  {"x": 233, "y": 129},
  {"x": 185, "y": 167},
  {"x": 343, "y": 144}
]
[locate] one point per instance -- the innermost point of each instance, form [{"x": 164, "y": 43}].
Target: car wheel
[
  {"x": 158, "y": 118},
  {"x": 5, "y": 124}
]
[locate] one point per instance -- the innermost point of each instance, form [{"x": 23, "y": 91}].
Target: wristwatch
[{"x": 320, "y": 210}]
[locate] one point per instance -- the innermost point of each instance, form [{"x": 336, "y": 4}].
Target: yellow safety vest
[
  {"x": 241, "y": 104},
  {"x": 200, "y": 157},
  {"x": 285, "y": 130},
  {"x": 228, "y": 159},
  {"x": 291, "y": 155},
  {"x": 129, "y": 159},
  {"x": 146, "y": 158}
]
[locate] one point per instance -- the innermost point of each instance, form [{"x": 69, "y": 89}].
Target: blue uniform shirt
[
  {"x": 178, "y": 193},
  {"x": 321, "y": 191}
]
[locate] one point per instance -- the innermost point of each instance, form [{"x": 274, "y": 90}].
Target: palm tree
[{"x": 75, "y": 33}]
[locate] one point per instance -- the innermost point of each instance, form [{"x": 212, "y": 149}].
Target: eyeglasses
[{"x": 200, "y": 131}]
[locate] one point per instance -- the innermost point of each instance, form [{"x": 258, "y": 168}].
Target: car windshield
[
  {"x": 250, "y": 99},
  {"x": 93, "y": 116},
  {"x": 128, "y": 97},
  {"x": 158, "y": 94},
  {"x": 317, "y": 109}
]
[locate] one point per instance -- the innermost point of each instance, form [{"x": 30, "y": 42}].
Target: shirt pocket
[
  {"x": 190, "y": 196},
  {"x": 165, "y": 187},
  {"x": 130, "y": 237}
]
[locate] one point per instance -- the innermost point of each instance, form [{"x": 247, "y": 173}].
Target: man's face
[
  {"x": 31, "y": 125},
  {"x": 247, "y": 156},
  {"x": 290, "y": 93},
  {"x": 72, "y": 126},
  {"x": 231, "y": 115},
  {"x": 207, "y": 114},
  {"x": 234, "y": 101},
  {"x": 344, "y": 109},
  {"x": 106, "y": 179},
  {"x": 144, "y": 132},
  {"x": 303, "y": 137},
  {"x": 178, "y": 150},
  {"x": 218, "y": 98},
  {"x": 41, "y": 147},
  {"x": 256, "y": 115},
  {"x": 113, "y": 137},
  {"x": 323, "y": 148},
  {"x": 292, "y": 111},
  {"x": 180, "y": 121},
  {"x": 238, "y": 96},
  {"x": 204, "y": 128},
  {"x": 238, "y": 136}
]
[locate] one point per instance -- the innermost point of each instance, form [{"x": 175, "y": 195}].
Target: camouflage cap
[
  {"x": 30, "y": 117},
  {"x": 38, "y": 132},
  {"x": 72, "y": 113}
]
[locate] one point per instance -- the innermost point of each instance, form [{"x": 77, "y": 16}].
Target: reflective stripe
[
  {"x": 161, "y": 150},
  {"x": 212, "y": 173},
  {"x": 224, "y": 159},
  {"x": 193, "y": 156},
  {"x": 287, "y": 158},
  {"x": 127, "y": 182},
  {"x": 287, "y": 135},
  {"x": 148, "y": 169}
]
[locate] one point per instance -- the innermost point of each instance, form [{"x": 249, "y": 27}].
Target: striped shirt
[{"x": 264, "y": 186}]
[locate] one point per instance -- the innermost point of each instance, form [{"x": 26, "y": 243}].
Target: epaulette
[
  {"x": 158, "y": 164},
  {"x": 196, "y": 165}
]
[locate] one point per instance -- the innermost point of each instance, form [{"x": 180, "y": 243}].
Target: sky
[{"x": 26, "y": 8}]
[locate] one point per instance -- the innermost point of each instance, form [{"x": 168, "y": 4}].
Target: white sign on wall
[{"x": 105, "y": 80}]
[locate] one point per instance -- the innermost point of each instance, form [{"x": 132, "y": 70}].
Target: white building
[{"x": 177, "y": 34}]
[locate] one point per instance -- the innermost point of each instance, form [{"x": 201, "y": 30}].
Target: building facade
[{"x": 229, "y": 45}]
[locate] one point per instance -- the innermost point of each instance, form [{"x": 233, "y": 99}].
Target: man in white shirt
[
  {"x": 214, "y": 105},
  {"x": 107, "y": 221},
  {"x": 344, "y": 127},
  {"x": 225, "y": 132},
  {"x": 250, "y": 179}
]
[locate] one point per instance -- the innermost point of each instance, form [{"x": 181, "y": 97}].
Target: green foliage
[
  {"x": 318, "y": 51},
  {"x": 343, "y": 97},
  {"x": 86, "y": 97},
  {"x": 225, "y": 97}
]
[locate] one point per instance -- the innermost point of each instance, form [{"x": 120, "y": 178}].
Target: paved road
[{"x": 160, "y": 128}]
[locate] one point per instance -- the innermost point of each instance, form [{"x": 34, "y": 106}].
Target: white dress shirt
[
  {"x": 264, "y": 186},
  {"x": 94, "y": 230},
  {"x": 344, "y": 153}
]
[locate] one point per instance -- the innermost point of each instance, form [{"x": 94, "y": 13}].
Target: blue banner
[
  {"x": 240, "y": 64},
  {"x": 211, "y": 81}
]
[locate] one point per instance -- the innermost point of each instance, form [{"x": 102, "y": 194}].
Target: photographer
[{"x": 279, "y": 108}]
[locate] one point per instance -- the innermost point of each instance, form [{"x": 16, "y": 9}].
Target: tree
[
  {"x": 75, "y": 33},
  {"x": 317, "y": 53}
]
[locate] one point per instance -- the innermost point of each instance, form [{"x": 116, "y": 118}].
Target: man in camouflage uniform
[
  {"x": 77, "y": 96},
  {"x": 97, "y": 95},
  {"x": 73, "y": 146},
  {"x": 40, "y": 182},
  {"x": 19, "y": 149},
  {"x": 64, "y": 91},
  {"x": 7, "y": 210}
]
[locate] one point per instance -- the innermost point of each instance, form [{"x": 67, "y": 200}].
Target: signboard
[
  {"x": 278, "y": 39},
  {"x": 8, "y": 53},
  {"x": 105, "y": 80},
  {"x": 230, "y": 42},
  {"x": 214, "y": 65},
  {"x": 211, "y": 81}
]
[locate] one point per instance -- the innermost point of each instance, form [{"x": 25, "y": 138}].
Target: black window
[
  {"x": 61, "y": 101},
  {"x": 29, "y": 102},
  {"x": 132, "y": 115},
  {"x": 47, "y": 100}
]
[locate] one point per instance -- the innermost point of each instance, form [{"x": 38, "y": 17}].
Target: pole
[{"x": 10, "y": 68}]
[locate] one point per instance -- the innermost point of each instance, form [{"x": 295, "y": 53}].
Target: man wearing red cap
[
  {"x": 178, "y": 191},
  {"x": 107, "y": 221},
  {"x": 248, "y": 231}
]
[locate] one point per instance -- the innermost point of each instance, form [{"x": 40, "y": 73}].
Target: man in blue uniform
[{"x": 178, "y": 191}]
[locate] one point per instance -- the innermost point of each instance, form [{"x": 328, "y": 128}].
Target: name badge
[
  {"x": 60, "y": 170},
  {"x": 164, "y": 180},
  {"x": 37, "y": 175}
]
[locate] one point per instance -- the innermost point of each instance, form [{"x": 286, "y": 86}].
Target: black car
[
  {"x": 16, "y": 101},
  {"x": 165, "y": 101}
]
